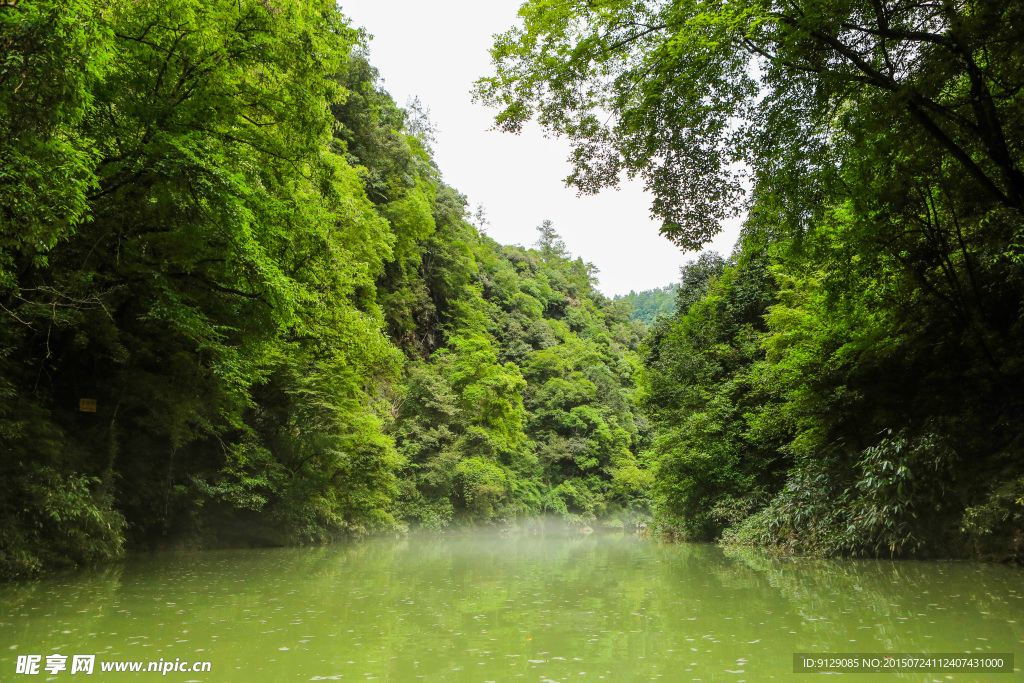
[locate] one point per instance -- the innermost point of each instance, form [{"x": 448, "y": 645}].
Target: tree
[
  {"x": 206, "y": 274},
  {"x": 668, "y": 91},
  {"x": 550, "y": 243},
  {"x": 51, "y": 56}
]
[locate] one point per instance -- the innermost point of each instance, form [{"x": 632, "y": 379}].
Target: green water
[{"x": 492, "y": 608}]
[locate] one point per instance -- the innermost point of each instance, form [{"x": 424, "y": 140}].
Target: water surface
[{"x": 493, "y": 608}]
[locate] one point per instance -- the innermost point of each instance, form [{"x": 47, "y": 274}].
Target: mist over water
[{"x": 541, "y": 606}]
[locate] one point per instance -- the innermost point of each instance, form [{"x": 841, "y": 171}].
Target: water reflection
[{"x": 554, "y": 607}]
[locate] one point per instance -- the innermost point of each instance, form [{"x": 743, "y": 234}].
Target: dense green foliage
[
  {"x": 201, "y": 283},
  {"x": 219, "y": 229},
  {"x": 850, "y": 380},
  {"x": 651, "y": 304},
  {"x": 528, "y": 407},
  {"x": 700, "y": 388}
]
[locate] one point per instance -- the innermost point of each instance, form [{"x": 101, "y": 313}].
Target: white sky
[{"x": 435, "y": 51}]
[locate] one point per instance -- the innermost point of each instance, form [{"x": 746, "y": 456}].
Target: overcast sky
[{"x": 435, "y": 51}]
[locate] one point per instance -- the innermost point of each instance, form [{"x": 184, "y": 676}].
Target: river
[{"x": 555, "y": 607}]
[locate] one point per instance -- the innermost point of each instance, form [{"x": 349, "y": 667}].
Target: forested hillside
[
  {"x": 850, "y": 379},
  {"x": 240, "y": 306},
  {"x": 651, "y": 304}
]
